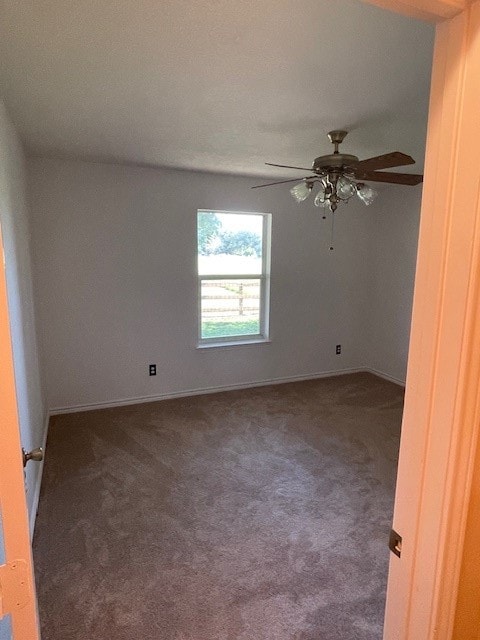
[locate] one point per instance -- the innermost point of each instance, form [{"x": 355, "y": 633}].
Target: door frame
[
  {"x": 17, "y": 588},
  {"x": 442, "y": 398}
]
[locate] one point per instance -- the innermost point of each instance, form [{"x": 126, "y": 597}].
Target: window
[{"x": 233, "y": 276}]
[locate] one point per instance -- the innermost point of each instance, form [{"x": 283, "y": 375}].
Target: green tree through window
[
  {"x": 208, "y": 229},
  {"x": 240, "y": 243}
]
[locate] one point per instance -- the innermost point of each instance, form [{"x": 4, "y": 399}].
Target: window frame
[{"x": 264, "y": 278}]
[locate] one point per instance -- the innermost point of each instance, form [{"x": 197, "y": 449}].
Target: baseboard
[
  {"x": 385, "y": 376},
  {"x": 203, "y": 391},
  {"x": 36, "y": 494}
]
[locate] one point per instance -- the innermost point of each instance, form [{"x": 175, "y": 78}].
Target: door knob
[{"x": 34, "y": 454}]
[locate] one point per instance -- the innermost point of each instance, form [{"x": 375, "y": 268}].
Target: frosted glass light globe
[
  {"x": 301, "y": 191},
  {"x": 366, "y": 194}
]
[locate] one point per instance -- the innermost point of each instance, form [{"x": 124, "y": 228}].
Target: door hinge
[
  {"x": 14, "y": 587},
  {"x": 395, "y": 543}
]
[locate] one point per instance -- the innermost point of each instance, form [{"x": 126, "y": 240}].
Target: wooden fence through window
[{"x": 240, "y": 292}]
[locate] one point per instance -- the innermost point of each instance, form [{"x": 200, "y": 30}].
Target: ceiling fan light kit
[
  {"x": 366, "y": 193},
  {"x": 301, "y": 191},
  {"x": 341, "y": 176},
  {"x": 331, "y": 193}
]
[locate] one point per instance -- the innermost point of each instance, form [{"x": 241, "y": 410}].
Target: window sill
[{"x": 232, "y": 343}]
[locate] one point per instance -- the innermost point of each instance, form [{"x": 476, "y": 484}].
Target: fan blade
[
  {"x": 286, "y": 166},
  {"x": 388, "y": 160},
  {"x": 387, "y": 176},
  {"x": 270, "y": 184}
]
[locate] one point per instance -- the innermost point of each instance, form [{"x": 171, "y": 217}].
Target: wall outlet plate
[
  {"x": 152, "y": 369},
  {"x": 338, "y": 349}
]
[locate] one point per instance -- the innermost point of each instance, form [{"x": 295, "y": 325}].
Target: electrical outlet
[
  {"x": 152, "y": 370},
  {"x": 338, "y": 349}
]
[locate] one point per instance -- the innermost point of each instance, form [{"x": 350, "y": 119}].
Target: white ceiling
[{"x": 214, "y": 85}]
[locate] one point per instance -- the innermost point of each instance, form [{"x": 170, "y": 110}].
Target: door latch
[{"x": 395, "y": 543}]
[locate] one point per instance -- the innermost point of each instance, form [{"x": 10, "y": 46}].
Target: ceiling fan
[{"x": 342, "y": 176}]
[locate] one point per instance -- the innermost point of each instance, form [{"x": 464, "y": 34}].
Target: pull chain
[{"x": 332, "y": 231}]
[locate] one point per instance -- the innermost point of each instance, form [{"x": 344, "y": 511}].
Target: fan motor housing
[{"x": 335, "y": 161}]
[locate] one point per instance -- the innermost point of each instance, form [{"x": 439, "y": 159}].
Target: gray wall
[
  {"x": 115, "y": 264},
  {"x": 16, "y": 246},
  {"x": 394, "y": 220},
  {"x": 114, "y": 257}
]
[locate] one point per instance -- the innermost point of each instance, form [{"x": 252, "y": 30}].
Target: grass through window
[{"x": 216, "y": 328}]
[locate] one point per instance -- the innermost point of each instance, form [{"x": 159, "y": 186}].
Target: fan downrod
[{"x": 336, "y": 137}]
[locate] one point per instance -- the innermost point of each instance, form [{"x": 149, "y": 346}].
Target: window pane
[
  {"x": 230, "y": 308},
  {"x": 229, "y": 243}
]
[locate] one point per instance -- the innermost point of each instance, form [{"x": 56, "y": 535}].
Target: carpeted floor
[{"x": 260, "y": 514}]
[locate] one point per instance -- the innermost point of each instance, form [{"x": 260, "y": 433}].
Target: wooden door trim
[
  {"x": 452, "y": 427},
  {"x": 12, "y": 488},
  {"x": 442, "y": 404}
]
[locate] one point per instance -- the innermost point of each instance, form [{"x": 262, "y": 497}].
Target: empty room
[{"x": 210, "y": 217}]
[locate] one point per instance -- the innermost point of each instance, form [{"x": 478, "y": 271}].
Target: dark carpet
[{"x": 260, "y": 514}]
